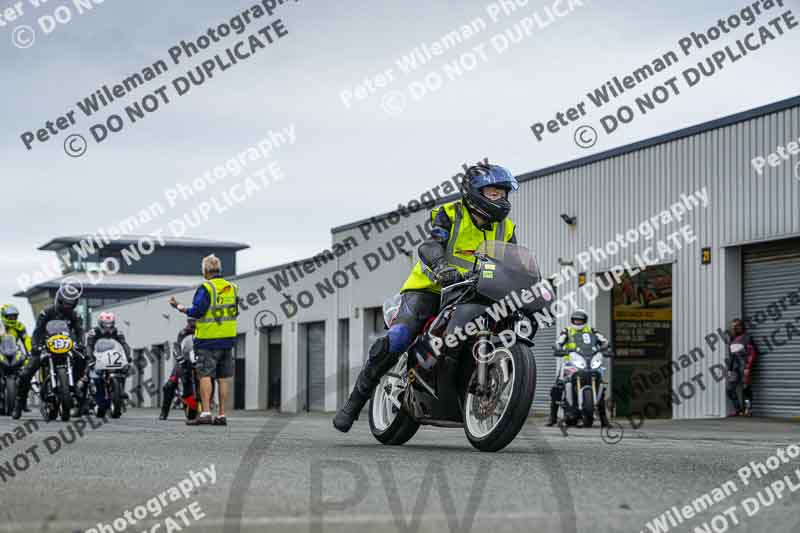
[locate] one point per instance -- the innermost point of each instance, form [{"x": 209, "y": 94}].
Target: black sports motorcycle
[{"x": 472, "y": 366}]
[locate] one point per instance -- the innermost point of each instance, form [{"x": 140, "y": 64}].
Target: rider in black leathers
[
  {"x": 181, "y": 371},
  {"x": 63, "y": 308}
]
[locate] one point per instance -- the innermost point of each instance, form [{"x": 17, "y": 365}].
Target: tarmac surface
[{"x": 283, "y": 473}]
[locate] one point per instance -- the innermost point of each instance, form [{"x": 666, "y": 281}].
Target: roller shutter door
[
  {"x": 772, "y": 274},
  {"x": 315, "y": 343},
  {"x": 545, "y": 368}
]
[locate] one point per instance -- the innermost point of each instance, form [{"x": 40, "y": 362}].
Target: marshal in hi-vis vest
[
  {"x": 465, "y": 237},
  {"x": 219, "y": 322}
]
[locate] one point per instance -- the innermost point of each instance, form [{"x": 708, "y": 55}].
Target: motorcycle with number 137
[{"x": 58, "y": 386}]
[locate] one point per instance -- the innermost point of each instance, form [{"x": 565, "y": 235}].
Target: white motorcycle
[
  {"x": 111, "y": 367},
  {"x": 584, "y": 377}
]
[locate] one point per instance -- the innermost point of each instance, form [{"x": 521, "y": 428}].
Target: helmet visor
[
  {"x": 11, "y": 313},
  {"x": 496, "y": 176}
]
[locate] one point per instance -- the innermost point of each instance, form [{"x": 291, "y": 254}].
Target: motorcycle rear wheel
[
  {"x": 484, "y": 432},
  {"x": 391, "y": 424}
]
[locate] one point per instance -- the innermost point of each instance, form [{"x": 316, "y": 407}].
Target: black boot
[
  {"x": 601, "y": 408},
  {"x": 348, "y": 414},
  {"x": 169, "y": 396},
  {"x": 379, "y": 362},
  {"x": 553, "y": 415},
  {"x": 22, "y": 399}
]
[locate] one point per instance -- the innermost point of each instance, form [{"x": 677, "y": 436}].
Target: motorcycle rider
[
  {"x": 181, "y": 371},
  {"x": 740, "y": 369},
  {"x": 106, "y": 328},
  {"x": 63, "y": 308},
  {"x": 578, "y": 324},
  {"x": 459, "y": 227},
  {"x": 13, "y": 327}
]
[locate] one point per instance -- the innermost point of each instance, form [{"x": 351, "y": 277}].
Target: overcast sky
[{"x": 345, "y": 164}]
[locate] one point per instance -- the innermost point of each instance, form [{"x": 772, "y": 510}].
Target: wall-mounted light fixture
[{"x": 568, "y": 220}]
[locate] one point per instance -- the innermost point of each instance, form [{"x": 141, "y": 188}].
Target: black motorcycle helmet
[
  {"x": 482, "y": 175},
  {"x": 66, "y": 301}
]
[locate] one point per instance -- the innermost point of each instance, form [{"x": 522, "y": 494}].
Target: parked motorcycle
[
  {"x": 583, "y": 376},
  {"x": 58, "y": 387},
  {"x": 191, "y": 412},
  {"x": 12, "y": 360},
  {"x": 111, "y": 366},
  {"x": 483, "y": 384}
]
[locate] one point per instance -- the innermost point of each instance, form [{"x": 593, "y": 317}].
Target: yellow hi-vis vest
[
  {"x": 465, "y": 237},
  {"x": 219, "y": 322},
  {"x": 571, "y": 332}
]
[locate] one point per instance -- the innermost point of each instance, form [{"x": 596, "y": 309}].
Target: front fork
[
  {"x": 484, "y": 342},
  {"x": 597, "y": 391}
]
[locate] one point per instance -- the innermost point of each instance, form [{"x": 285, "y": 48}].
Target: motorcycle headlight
[
  {"x": 578, "y": 361},
  {"x": 597, "y": 362}
]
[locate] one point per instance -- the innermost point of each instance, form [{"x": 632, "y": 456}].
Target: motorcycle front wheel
[
  {"x": 388, "y": 421},
  {"x": 116, "y": 398},
  {"x": 492, "y": 420},
  {"x": 10, "y": 394},
  {"x": 588, "y": 407},
  {"x": 64, "y": 394}
]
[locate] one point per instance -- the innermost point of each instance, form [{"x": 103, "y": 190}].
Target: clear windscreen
[
  {"x": 512, "y": 256},
  {"x": 56, "y": 327},
  {"x": 8, "y": 346},
  {"x": 107, "y": 345},
  {"x": 187, "y": 345}
]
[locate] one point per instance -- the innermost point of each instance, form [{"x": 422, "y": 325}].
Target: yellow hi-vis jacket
[
  {"x": 219, "y": 322},
  {"x": 465, "y": 237}
]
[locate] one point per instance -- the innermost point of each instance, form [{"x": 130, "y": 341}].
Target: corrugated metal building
[{"x": 750, "y": 267}]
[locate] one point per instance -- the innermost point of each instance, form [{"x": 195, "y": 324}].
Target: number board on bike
[
  {"x": 59, "y": 344},
  {"x": 111, "y": 360}
]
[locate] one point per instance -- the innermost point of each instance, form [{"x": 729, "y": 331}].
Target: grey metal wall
[{"x": 772, "y": 313}]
